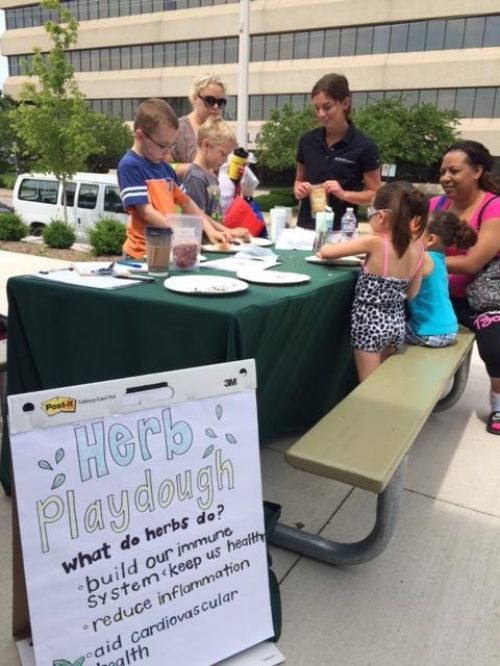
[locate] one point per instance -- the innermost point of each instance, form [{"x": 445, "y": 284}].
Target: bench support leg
[
  {"x": 333, "y": 552},
  {"x": 459, "y": 382}
]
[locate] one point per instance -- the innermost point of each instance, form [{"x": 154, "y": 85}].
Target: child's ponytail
[{"x": 405, "y": 203}]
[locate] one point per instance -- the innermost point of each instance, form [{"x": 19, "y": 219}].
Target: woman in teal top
[{"x": 433, "y": 322}]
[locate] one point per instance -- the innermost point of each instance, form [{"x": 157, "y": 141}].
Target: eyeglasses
[
  {"x": 210, "y": 101},
  {"x": 168, "y": 145},
  {"x": 371, "y": 211}
]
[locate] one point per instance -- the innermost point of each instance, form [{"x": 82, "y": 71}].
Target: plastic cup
[
  {"x": 278, "y": 217},
  {"x": 158, "y": 250},
  {"x": 186, "y": 241},
  {"x": 237, "y": 164},
  {"x": 290, "y": 222}
]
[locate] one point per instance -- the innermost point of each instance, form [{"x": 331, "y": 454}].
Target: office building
[{"x": 446, "y": 53}]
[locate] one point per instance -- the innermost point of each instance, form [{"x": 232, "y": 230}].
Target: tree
[
  {"x": 418, "y": 135},
  {"x": 114, "y": 138},
  {"x": 278, "y": 138},
  {"x": 7, "y": 136},
  {"x": 52, "y": 118}
]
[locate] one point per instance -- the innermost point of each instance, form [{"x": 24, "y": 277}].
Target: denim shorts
[{"x": 442, "y": 340}]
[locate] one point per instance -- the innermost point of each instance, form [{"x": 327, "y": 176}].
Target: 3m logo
[
  {"x": 230, "y": 382},
  {"x": 58, "y": 404}
]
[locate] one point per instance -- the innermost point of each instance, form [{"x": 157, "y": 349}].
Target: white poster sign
[{"x": 141, "y": 519}]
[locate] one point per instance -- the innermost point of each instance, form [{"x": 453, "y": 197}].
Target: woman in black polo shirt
[{"x": 336, "y": 156}]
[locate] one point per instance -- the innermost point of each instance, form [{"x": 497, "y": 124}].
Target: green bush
[
  {"x": 278, "y": 196},
  {"x": 59, "y": 234},
  {"x": 107, "y": 236},
  {"x": 12, "y": 228},
  {"x": 7, "y": 180}
]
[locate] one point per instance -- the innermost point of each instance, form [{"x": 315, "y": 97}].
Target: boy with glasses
[{"x": 148, "y": 184}]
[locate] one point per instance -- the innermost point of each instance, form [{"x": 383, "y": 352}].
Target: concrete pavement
[{"x": 13, "y": 263}]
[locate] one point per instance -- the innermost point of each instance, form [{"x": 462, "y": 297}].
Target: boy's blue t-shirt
[{"x": 141, "y": 182}]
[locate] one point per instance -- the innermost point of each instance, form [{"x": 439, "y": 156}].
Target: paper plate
[
  {"x": 272, "y": 277},
  {"x": 204, "y": 285},
  {"x": 351, "y": 260},
  {"x": 261, "y": 242}
]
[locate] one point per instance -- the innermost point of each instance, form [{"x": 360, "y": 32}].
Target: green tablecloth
[{"x": 60, "y": 335}]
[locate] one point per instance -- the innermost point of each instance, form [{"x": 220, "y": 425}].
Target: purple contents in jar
[{"x": 185, "y": 255}]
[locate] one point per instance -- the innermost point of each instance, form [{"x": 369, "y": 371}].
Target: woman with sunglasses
[{"x": 207, "y": 97}]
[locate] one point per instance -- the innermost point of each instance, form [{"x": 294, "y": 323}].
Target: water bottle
[{"x": 348, "y": 223}]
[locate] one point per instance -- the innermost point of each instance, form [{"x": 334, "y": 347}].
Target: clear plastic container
[
  {"x": 186, "y": 241},
  {"x": 158, "y": 250}
]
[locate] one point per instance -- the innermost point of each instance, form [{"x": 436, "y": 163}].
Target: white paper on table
[
  {"x": 236, "y": 263},
  {"x": 91, "y": 267},
  {"x": 263, "y": 654},
  {"x": 97, "y": 267},
  {"x": 69, "y": 276},
  {"x": 297, "y": 238}
]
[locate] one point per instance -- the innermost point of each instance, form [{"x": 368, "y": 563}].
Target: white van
[{"x": 37, "y": 199}]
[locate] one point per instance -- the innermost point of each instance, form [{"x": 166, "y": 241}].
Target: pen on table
[
  {"x": 133, "y": 264},
  {"x": 55, "y": 270},
  {"x": 135, "y": 278}
]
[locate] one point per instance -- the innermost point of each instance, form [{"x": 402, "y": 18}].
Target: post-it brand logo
[{"x": 58, "y": 404}]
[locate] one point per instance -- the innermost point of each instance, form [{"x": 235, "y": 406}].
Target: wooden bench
[{"x": 365, "y": 439}]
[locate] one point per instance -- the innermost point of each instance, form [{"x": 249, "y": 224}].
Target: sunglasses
[
  {"x": 371, "y": 211},
  {"x": 210, "y": 101},
  {"x": 162, "y": 146}
]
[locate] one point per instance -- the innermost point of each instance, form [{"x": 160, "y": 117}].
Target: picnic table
[{"x": 62, "y": 335}]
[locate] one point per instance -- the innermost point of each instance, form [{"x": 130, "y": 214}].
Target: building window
[
  {"x": 332, "y": 43},
  {"x": 286, "y": 46},
  {"x": 468, "y": 102},
  {"x": 484, "y": 103},
  {"x": 464, "y": 102},
  {"x": 472, "y": 32},
  {"x": 454, "y": 36},
  {"x": 364, "y": 43},
  {"x": 491, "y": 31},
  {"x": 399, "y": 38},
  {"x": 84, "y": 10}
]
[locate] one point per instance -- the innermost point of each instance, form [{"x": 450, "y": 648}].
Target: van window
[
  {"x": 70, "y": 195},
  {"x": 112, "y": 200},
  {"x": 87, "y": 197},
  {"x": 41, "y": 191}
]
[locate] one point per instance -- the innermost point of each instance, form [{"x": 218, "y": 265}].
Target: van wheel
[{"x": 36, "y": 228}]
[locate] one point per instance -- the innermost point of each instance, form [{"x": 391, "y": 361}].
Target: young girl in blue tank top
[
  {"x": 391, "y": 273},
  {"x": 432, "y": 321}
]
